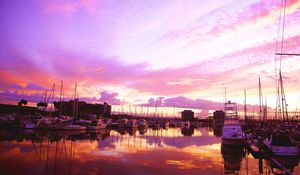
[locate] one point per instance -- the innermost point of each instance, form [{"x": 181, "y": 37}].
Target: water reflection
[
  {"x": 232, "y": 156},
  {"x": 121, "y": 152}
]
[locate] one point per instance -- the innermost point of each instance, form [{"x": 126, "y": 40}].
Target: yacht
[
  {"x": 74, "y": 127},
  {"x": 280, "y": 144},
  {"x": 142, "y": 124},
  {"x": 97, "y": 125},
  {"x": 232, "y": 130}
]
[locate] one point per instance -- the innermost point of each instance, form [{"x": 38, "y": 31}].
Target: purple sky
[{"x": 132, "y": 51}]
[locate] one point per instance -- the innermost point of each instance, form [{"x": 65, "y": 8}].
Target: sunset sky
[{"x": 133, "y": 52}]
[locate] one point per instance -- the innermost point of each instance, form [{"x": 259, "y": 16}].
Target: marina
[
  {"x": 56, "y": 146},
  {"x": 93, "y": 87}
]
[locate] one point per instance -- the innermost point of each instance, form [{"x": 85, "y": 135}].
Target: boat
[
  {"x": 232, "y": 130},
  {"x": 186, "y": 124},
  {"x": 166, "y": 125},
  {"x": 142, "y": 124},
  {"x": 280, "y": 144},
  {"x": 30, "y": 125},
  {"x": 132, "y": 124},
  {"x": 74, "y": 127},
  {"x": 97, "y": 125}
]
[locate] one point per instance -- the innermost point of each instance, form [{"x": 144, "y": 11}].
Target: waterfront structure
[
  {"x": 66, "y": 108},
  {"x": 218, "y": 119},
  {"x": 187, "y": 115}
]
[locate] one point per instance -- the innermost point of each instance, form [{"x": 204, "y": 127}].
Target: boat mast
[
  {"x": 283, "y": 100},
  {"x": 245, "y": 104},
  {"x": 74, "y": 105},
  {"x": 52, "y": 97},
  {"x": 260, "y": 100},
  {"x": 60, "y": 97}
]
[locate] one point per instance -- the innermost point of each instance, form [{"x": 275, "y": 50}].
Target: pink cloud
[
  {"x": 182, "y": 102},
  {"x": 110, "y": 98},
  {"x": 68, "y": 65},
  {"x": 12, "y": 97},
  {"x": 69, "y": 8}
]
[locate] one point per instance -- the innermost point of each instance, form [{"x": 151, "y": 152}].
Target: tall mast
[
  {"x": 147, "y": 109},
  {"x": 60, "y": 97},
  {"x": 245, "y": 104},
  {"x": 225, "y": 96},
  {"x": 74, "y": 105},
  {"x": 260, "y": 100},
  {"x": 283, "y": 100},
  {"x": 52, "y": 98},
  {"x": 155, "y": 108}
]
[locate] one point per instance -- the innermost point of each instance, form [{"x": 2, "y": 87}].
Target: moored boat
[
  {"x": 280, "y": 144},
  {"x": 232, "y": 130},
  {"x": 74, "y": 127},
  {"x": 97, "y": 125}
]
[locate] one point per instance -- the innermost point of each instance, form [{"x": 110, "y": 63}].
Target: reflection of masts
[
  {"x": 72, "y": 154},
  {"x": 55, "y": 156},
  {"x": 246, "y": 161},
  {"x": 47, "y": 160}
]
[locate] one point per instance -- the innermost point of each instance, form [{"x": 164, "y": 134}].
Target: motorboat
[
  {"x": 97, "y": 125},
  {"x": 232, "y": 133},
  {"x": 280, "y": 144},
  {"x": 142, "y": 124}
]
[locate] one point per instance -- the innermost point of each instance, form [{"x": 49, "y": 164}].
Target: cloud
[
  {"x": 69, "y": 8},
  {"x": 110, "y": 98},
  {"x": 33, "y": 86},
  {"x": 183, "y": 102},
  {"x": 35, "y": 97},
  {"x": 11, "y": 97}
]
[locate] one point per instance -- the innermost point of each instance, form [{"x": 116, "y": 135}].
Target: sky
[{"x": 164, "y": 53}]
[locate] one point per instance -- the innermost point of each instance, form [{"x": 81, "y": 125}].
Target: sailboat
[
  {"x": 280, "y": 143},
  {"x": 73, "y": 126}
]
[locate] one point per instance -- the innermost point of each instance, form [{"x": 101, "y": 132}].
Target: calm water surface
[{"x": 171, "y": 151}]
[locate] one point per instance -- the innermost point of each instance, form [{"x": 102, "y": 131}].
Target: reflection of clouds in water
[
  {"x": 162, "y": 152},
  {"x": 156, "y": 139},
  {"x": 107, "y": 143},
  {"x": 182, "y": 142}
]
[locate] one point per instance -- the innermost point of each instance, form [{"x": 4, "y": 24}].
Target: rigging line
[
  {"x": 276, "y": 48},
  {"x": 277, "y": 38},
  {"x": 278, "y": 33},
  {"x": 282, "y": 34}
]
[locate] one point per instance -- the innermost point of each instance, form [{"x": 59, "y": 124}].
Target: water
[{"x": 110, "y": 152}]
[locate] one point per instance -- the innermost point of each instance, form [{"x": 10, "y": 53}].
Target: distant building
[
  {"x": 67, "y": 108},
  {"x": 187, "y": 115},
  {"x": 218, "y": 119}
]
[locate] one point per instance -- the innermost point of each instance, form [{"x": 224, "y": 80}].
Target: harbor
[
  {"x": 228, "y": 144},
  {"x": 92, "y": 87}
]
